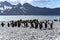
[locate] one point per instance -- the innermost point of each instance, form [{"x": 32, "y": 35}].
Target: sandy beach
[{"x": 15, "y": 33}]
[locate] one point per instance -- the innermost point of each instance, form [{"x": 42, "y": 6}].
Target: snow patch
[
  {"x": 0, "y": 4},
  {"x": 2, "y": 11},
  {"x": 1, "y": 8},
  {"x": 7, "y": 7},
  {"x": 23, "y": 9}
]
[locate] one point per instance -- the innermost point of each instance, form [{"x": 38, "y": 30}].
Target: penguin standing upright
[
  {"x": 8, "y": 25},
  {"x": 12, "y": 23},
  {"x": 51, "y": 25},
  {"x": 2, "y": 24},
  {"x": 15, "y": 24},
  {"x": 26, "y": 24},
  {"x": 18, "y": 23},
  {"x": 36, "y": 25},
  {"x": 40, "y": 25},
  {"x": 45, "y": 25},
  {"x": 32, "y": 25}
]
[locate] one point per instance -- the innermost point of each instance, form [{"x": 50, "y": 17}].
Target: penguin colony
[{"x": 33, "y": 24}]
